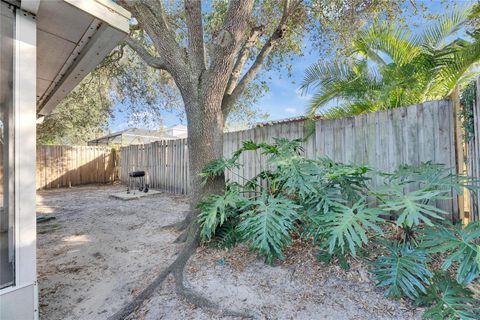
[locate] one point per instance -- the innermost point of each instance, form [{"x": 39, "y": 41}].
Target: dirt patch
[{"x": 99, "y": 252}]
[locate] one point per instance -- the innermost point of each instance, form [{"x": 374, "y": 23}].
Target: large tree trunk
[
  {"x": 202, "y": 88},
  {"x": 205, "y": 144}
]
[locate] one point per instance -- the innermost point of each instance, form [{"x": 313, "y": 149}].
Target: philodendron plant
[{"x": 419, "y": 253}]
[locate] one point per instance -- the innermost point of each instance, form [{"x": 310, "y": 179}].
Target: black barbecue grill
[{"x": 137, "y": 181}]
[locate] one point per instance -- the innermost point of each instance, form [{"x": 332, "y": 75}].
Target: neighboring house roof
[
  {"x": 132, "y": 136},
  {"x": 179, "y": 127},
  {"x": 178, "y": 130},
  {"x": 73, "y": 37},
  {"x": 287, "y": 120}
]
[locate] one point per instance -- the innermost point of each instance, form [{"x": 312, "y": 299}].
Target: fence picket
[
  {"x": 383, "y": 140},
  {"x": 66, "y": 166}
]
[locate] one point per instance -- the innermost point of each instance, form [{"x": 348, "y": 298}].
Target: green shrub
[
  {"x": 447, "y": 299},
  {"x": 461, "y": 246},
  {"x": 326, "y": 202},
  {"x": 403, "y": 272}
]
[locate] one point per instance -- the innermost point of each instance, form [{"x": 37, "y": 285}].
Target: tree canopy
[{"x": 128, "y": 84}]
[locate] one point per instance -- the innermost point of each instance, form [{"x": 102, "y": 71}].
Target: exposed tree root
[
  {"x": 180, "y": 225},
  {"x": 176, "y": 268},
  {"x": 181, "y": 238},
  {"x": 201, "y": 301}
]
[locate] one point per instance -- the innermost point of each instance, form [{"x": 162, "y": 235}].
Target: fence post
[
  {"x": 459, "y": 154},
  {"x": 473, "y": 153}
]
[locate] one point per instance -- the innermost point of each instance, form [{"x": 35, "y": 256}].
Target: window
[{"x": 7, "y": 245}]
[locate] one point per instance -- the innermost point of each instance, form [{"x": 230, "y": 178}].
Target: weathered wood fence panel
[
  {"x": 165, "y": 161},
  {"x": 252, "y": 162},
  {"x": 388, "y": 139},
  {"x": 385, "y": 140},
  {"x": 65, "y": 166},
  {"x": 473, "y": 155},
  {"x": 382, "y": 140}
]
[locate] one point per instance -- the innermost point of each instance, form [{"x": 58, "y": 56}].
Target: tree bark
[
  {"x": 205, "y": 144},
  {"x": 202, "y": 88}
]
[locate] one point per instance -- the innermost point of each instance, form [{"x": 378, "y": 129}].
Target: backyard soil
[{"x": 99, "y": 252}]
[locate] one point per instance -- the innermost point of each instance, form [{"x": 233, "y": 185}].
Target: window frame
[{"x": 8, "y": 175}]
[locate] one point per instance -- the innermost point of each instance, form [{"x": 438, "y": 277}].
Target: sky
[{"x": 285, "y": 99}]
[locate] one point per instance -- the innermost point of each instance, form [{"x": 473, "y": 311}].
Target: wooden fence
[
  {"x": 383, "y": 140},
  {"x": 165, "y": 161},
  {"x": 66, "y": 166},
  {"x": 473, "y": 155}
]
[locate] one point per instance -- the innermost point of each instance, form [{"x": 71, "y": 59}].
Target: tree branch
[
  {"x": 277, "y": 35},
  {"x": 255, "y": 33},
  {"x": 151, "y": 18},
  {"x": 226, "y": 45},
  {"x": 154, "y": 62},
  {"x": 196, "y": 49}
]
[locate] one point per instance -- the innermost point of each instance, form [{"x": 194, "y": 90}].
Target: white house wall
[
  {"x": 19, "y": 301},
  {"x": 25, "y": 145},
  {"x": 108, "y": 25}
]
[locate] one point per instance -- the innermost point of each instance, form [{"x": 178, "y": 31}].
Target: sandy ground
[{"x": 99, "y": 252}]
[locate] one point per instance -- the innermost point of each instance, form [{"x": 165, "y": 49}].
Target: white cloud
[
  {"x": 290, "y": 110},
  {"x": 302, "y": 96}
]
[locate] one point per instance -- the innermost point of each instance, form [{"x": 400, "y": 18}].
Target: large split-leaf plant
[{"x": 334, "y": 206}]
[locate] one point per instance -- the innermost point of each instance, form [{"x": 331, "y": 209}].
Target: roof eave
[{"x": 111, "y": 26}]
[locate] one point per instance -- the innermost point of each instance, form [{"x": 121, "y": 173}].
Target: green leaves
[
  {"x": 387, "y": 67},
  {"x": 435, "y": 35},
  {"x": 349, "y": 226},
  {"x": 298, "y": 176},
  {"x": 351, "y": 179},
  {"x": 216, "y": 209},
  {"x": 218, "y": 167},
  {"x": 448, "y": 300},
  {"x": 227, "y": 235},
  {"x": 411, "y": 206},
  {"x": 325, "y": 202},
  {"x": 267, "y": 225},
  {"x": 460, "y": 245},
  {"x": 402, "y": 272}
]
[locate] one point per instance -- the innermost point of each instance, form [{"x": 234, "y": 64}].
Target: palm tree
[{"x": 388, "y": 67}]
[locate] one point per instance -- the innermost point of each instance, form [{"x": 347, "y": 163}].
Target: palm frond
[
  {"x": 323, "y": 74},
  {"x": 362, "y": 45},
  {"x": 337, "y": 80},
  {"x": 456, "y": 68},
  {"x": 434, "y": 36},
  {"x": 388, "y": 68},
  {"x": 389, "y": 39}
]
